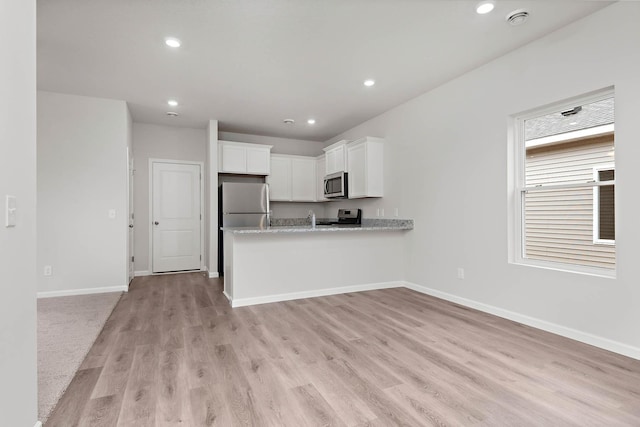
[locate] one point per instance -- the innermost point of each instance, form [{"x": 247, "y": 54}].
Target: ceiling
[{"x": 252, "y": 63}]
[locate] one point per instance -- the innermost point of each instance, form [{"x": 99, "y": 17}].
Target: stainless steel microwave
[{"x": 336, "y": 186}]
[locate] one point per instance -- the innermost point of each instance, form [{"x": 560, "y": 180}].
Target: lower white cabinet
[{"x": 292, "y": 178}]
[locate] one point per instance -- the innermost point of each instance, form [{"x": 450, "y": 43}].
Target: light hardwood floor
[{"x": 174, "y": 353}]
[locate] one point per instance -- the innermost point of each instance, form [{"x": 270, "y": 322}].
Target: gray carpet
[{"x": 67, "y": 328}]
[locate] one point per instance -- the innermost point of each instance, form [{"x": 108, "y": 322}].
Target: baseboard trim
[
  {"x": 87, "y": 291},
  {"x": 315, "y": 293},
  {"x": 142, "y": 273},
  {"x": 213, "y": 274},
  {"x": 584, "y": 337},
  {"x": 227, "y": 297}
]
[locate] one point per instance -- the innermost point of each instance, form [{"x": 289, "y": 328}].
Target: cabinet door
[
  {"x": 357, "y": 169},
  {"x": 279, "y": 179},
  {"x": 303, "y": 180},
  {"x": 233, "y": 159},
  {"x": 330, "y": 162},
  {"x": 320, "y": 172},
  {"x": 340, "y": 161},
  {"x": 258, "y": 161},
  {"x": 335, "y": 160}
]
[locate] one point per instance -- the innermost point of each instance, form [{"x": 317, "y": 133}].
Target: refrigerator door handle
[{"x": 268, "y": 207}]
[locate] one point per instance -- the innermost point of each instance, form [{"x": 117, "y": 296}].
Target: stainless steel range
[{"x": 350, "y": 217}]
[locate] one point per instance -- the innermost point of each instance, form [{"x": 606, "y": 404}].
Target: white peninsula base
[{"x": 269, "y": 267}]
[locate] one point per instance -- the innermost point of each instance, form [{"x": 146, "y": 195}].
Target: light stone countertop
[{"x": 367, "y": 225}]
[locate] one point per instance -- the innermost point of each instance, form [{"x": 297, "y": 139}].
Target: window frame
[
  {"x": 596, "y": 203},
  {"x": 517, "y": 186}
]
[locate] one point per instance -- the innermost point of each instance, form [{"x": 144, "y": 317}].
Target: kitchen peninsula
[{"x": 292, "y": 261}]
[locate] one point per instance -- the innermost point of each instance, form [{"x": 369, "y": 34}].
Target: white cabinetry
[
  {"x": 243, "y": 158},
  {"x": 303, "y": 179},
  {"x": 320, "y": 173},
  {"x": 292, "y": 178},
  {"x": 280, "y": 178},
  {"x": 336, "y": 157},
  {"x": 365, "y": 167}
]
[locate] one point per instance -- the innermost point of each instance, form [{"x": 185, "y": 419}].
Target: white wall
[
  {"x": 18, "y": 389},
  {"x": 448, "y": 168},
  {"x": 82, "y": 175},
  {"x": 158, "y": 142}
]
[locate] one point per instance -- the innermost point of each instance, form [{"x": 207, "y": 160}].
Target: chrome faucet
[{"x": 312, "y": 216}]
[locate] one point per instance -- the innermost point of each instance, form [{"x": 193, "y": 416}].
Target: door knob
[
  {"x": 156, "y": 223},
  {"x": 130, "y": 225}
]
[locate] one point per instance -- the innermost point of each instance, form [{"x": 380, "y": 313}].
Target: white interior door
[
  {"x": 176, "y": 217},
  {"x": 131, "y": 218}
]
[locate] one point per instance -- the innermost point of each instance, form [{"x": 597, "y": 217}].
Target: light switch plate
[
  {"x": 112, "y": 214},
  {"x": 10, "y": 212}
]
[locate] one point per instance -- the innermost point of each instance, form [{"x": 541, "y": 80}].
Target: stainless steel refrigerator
[{"x": 241, "y": 204}]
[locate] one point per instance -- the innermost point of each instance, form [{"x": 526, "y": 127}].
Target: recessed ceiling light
[
  {"x": 485, "y": 7},
  {"x": 573, "y": 123},
  {"x": 172, "y": 114},
  {"x": 172, "y": 102},
  {"x": 369, "y": 82},
  {"x": 172, "y": 42},
  {"x": 288, "y": 121},
  {"x": 311, "y": 121}
]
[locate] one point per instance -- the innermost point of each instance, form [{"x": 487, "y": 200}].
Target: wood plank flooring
[{"x": 174, "y": 353}]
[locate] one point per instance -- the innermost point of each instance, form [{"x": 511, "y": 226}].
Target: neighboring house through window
[
  {"x": 604, "y": 221},
  {"x": 565, "y": 186}
]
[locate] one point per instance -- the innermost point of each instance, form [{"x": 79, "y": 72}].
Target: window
[
  {"x": 565, "y": 186},
  {"x": 604, "y": 221}
]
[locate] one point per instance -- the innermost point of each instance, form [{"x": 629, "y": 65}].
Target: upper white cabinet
[
  {"x": 279, "y": 179},
  {"x": 365, "y": 167},
  {"x": 336, "y": 157},
  {"x": 244, "y": 158},
  {"x": 320, "y": 173},
  {"x": 303, "y": 179},
  {"x": 292, "y": 178}
]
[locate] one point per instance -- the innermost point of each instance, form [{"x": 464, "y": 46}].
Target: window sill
[
  {"x": 604, "y": 242},
  {"x": 567, "y": 268}
]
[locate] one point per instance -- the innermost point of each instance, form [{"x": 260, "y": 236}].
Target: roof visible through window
[{"x": 598, "y": 113}]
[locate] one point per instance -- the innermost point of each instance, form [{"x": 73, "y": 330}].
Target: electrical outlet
[
  {"x": 396, "y": 213},
  {"x": 378, "y": 212},
  {"x": 460, "y": 273},
  {"x": 48, "y": 270},
  {"x": 381, "y": 211}
]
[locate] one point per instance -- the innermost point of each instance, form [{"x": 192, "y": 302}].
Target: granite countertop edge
[{"x": 388, "y": 225}]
